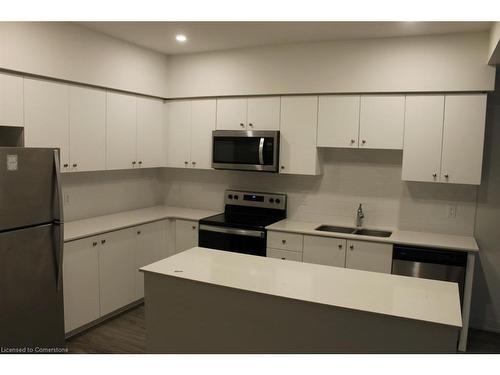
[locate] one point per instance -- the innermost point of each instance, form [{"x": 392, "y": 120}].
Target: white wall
[
  {"x": 89, "y": 194},
  {"x": 371, "y": 177},
  {"x": 456, "y": 62},
  {"x": 485, "y": 311},
  {"x": 72, "y": 52}
]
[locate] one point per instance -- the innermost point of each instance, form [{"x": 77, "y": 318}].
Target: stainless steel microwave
[{"x": 246, "y": 150}]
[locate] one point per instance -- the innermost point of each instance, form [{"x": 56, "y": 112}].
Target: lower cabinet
[
  {"x": 81, "y": 282},
  {"x": 101, "y": 273},
  {"x": 369, "y": 256},
  {"x": 284, "y": 254},
  {"x": 186, "y": 235},
  {"x": 324, "y": 250}
]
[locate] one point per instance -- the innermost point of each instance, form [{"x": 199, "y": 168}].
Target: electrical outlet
[{"x": 452, "y": 211}]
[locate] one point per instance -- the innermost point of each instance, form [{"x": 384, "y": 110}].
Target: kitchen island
[{"x": 210, "y": 301}]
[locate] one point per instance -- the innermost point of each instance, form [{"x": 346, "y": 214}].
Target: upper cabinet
[
  {"x": 338, "y": 121},
  {"x": 87, "y": 129},
  {"x": 299, "y": 120},
  {"x": 121, "y": 118},
  {"x": 46, "y": 114},
  {"x": 353, "y": 121},
  {"x": 189, "y": 135},
  {"x": 381, "y": 121},
  {"x": 444, "y": 138},
  {"x": 259, "y": 113},
  {"x": 135, "y": 132},
  {"x": 150, "y": 133},
  {"x": 11, "y": 100}
]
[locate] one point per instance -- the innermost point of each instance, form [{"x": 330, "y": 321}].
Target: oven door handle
[
  {"x": 261, "y": 151},
  {"x": 238, "y": 232}
]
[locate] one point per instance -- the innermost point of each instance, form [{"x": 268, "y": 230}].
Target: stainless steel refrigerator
[{"x": 31, "y": 249}]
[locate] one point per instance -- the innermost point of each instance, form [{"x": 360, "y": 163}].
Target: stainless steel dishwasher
[{"x": 429, "y": 263}]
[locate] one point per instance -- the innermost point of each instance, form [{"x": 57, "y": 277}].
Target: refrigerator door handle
[{"x": 60, "y": 239}]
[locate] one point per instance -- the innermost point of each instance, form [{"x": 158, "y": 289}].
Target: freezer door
[
  {"x": 28, "y": 187},
  {"x": 31, "y": 303}
]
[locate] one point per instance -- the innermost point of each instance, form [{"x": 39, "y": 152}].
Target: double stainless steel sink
[{"x": 358, "y": 231}]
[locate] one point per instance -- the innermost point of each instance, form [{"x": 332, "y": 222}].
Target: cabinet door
[
  {"x": 150, "y": 247},
  {"x": 463, "y": 138},
  {"x": 87, "y": 124},
  {"x": 121, "y": 119},
  {"x": 231, "y": 114},
  {"x": 324, "y": 250},
  {"x": 11, "y": 100},
  {"x": 338, "y": 121},
  {"x": 264, "y": 113},
  {"x": 47, "y": 117},
  {"x": 202, "y": 125},
  {"x": 81, "y": 282},
  {"x": 381, "y": 122},
  {"x": 150, "y": 133},
  {"x": 179, "y": 134},
  {"x": 186, "y": 235},
  {"x": 117, "y": 269},
  {"x": 423, "y": 137},
  {"x": 299, "y": 120},
  {"x": 369, "y": 256}
]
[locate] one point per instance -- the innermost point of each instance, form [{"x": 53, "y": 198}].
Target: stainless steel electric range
[{"x": 241, "y": 228}]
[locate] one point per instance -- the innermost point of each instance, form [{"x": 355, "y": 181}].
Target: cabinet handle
[
  {"x": 250, "y": 124},
  {"x": 194, "y": 227},
  {"x": 434, "y": 175},
  {"x": 133, "y": 163},
  {"x": 351, "y": 247},
  {"x": 140, "y": 162},
  {"x": 340, "y": 246},
  {"x": 94, "y": 243},
  {"x": 103, "y": 242},
  {"x": 446, "y": 175},
  {"x": 242, "y": 124},
  {"x": 185, "y": 163},
  {"x": 283, "y": 242},
  {"x": 282, "y": 167},
  {"x": 363, "y": 141},
  {"x": 283, "y": 258},
  {"x": 352, "y": 141},
  {"x": 66, "y": 165},
  {"x": 138, "y": 232},
  {"x": 75, "y": 165},
  {"x": 193, "y": 162}
]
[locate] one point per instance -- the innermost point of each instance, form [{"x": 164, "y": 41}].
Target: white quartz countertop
[
  {"x": 74, "y": 230},
  {"x": 400, "y": 296},
  {"x": 404, "y": 237}
]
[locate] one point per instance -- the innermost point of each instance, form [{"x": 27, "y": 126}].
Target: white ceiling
[{"x": 211, "y": 36}]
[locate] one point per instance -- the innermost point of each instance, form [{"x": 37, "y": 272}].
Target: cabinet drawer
[
  {"x": 284, "y": 254},
  {"x": 285, "y": 241}
]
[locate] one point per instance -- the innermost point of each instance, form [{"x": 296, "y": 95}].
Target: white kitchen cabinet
[
  {"x": 263, "y": 113},
  {"x": 369, "y": 256},
  {"x": 150, "y": 247},
  {"x": 298, "y": 126},
  {"x": 284, "y": 254},
  {"x": 328, "y": 251},
  {"x": 186, "y": 235},
  {"x": 338, "y": 121},
  {"x": 46, "y": 116},
  {"x": 189, "y": 140},
  {"x": 87, "y": 129},
  {"x": 463, "y": 138},
  {"x": 11, "y": 100},
  {"x": 423, "y": 138},
  {"x": 232, "y": 114},
  {"x": 203, "y": 113},
  {"x": 117, "y": 269},
  {"x": 381, "y": 123},
  {"x": 179, "y": 134},
  {"x": 81, "y": 282},
  {"x": 150, "y": 133},
  {"x": 285, "y": 241},
  {"x": 121, "y": 131}
]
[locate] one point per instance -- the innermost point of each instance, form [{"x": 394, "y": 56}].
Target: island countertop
[{"x": 399, "y": 296}]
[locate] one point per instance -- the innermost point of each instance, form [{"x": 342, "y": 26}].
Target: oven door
[
  {"x": 245, "y": 150},
  {"x": 243, "y": 241}
]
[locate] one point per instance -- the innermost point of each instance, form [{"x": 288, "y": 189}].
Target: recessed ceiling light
[{"x": 181, "y": 38}]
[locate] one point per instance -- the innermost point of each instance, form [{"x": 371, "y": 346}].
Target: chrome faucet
[{"x": 359, "y": 217}]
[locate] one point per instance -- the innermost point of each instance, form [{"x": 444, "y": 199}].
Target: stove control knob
[
  {"x": 230, "y": 196},
  {"x": 235, "y": 197},
  {"x": 271, "y": 200},
  {"x": 277, "y": 201}
]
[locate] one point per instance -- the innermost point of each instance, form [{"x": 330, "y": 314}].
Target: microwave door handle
[{"x": 261, "y": 151}]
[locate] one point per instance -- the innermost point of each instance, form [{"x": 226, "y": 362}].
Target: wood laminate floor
[{"x": 125, "y": 334}]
